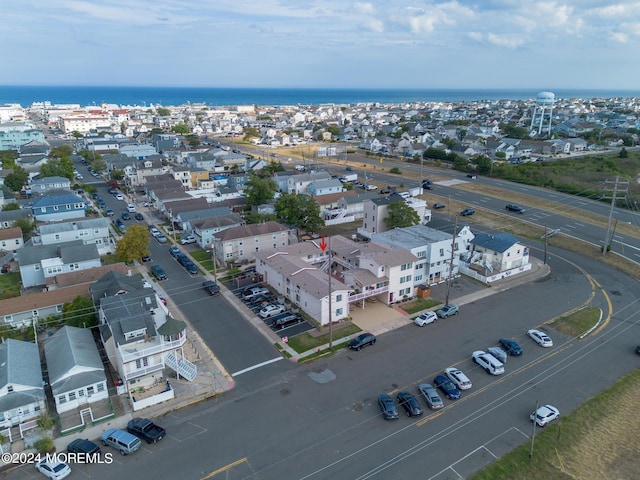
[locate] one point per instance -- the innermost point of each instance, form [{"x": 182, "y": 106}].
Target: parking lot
[{"x": 280, "y": 317}]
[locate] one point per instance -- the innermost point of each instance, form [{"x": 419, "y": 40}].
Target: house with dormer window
[
  {"x": 140, "y": 336},
  {"x": 58, "y": 205}
]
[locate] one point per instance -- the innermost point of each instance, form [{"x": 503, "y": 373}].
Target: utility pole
[
  {"x": 453, "y": 247},
  {"x": 614, "y": 198},
  {"x": 330, "y": 295},
  {"x": 545, "y": 244},
  {"x": 533, "y": 434}
]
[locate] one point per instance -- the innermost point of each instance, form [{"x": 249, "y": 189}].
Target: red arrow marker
[{"x": 323, "y": 245}]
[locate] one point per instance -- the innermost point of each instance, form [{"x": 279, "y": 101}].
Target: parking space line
[{"x": 257, "y": 365}]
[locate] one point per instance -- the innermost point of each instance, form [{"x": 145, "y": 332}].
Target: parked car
[
  {"x": 284, "y": 320},
  {"x": 146, "y": 430},
  {"x": 173, "y": 250},
  {"x": 187, "y": 240},
  {"x": 438, "y": 206},
  {"x": 158, "y": 272},
  {"x": 447, "y": 387},
  {"x": 540, "y": 338},
  {"x": 544, "y": 414},
  {"x": 52, "y": 468},
  {"x": 146, "y": 258},
  {"x": 131, "y": 208},
  {"x": 511, "y": 207},
  {"x": 472, "y": 176},
  {"x": 138, "y": 216},
  {"x": 638, "y": 350},
  {"x": 349, "y": 169},
  {"x": 190, "y": 267},
  {"x": 211, "y": 287},
  {"x": 153, "y": 231},
  {"x": 447, "y": 311},
  {"x": 124, "y": 442},
  {"x": 119, "y": 196},
  {"x": 430, "y": 394},
  {"x": 254, "y": 292},
  {"x": 499, "y": 353},
  {"x": 410, "y": 404},
  {"x": 112, "y": 191},
  {"x": 83, "y": 446},
  {"x": 388, "y": 407},
  {"x": 467, "y": 211},
  {"x": 271, "y": 310},
  {"x": 491, "y": 364},
  {"x": 126, "y": 216},
  {"x": 511, "y": 346},
  {"x": 362, "y": 340},
  {"x": 370, "y": 187},
  {"x": 120, "y": 224},
  {"x": 161, "y": 238},
  {"x": 385, "y": 191},
  {"x": 458, "y": 378},
  {"x": 109, "y": 213},
  {"x": 426, "y": 318}
]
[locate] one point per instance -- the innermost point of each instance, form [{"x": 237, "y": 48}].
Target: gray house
[
  {"x": 40, "y": 265},
  {"x": 92, "y": 230},
  {"x": 76, "y": 373},
  {"x": 21, "y": 385},
  {"x": 48, "y": 184}
]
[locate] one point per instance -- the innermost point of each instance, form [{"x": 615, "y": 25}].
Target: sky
[{"x": 573, "y": 44}]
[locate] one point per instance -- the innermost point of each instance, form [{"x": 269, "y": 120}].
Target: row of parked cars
[
  {"x": 183, "y": 260},
  {"x": 125, "y": 442},
  {"x": 452, "y": 381},
  {"x": 261, "y": 301}
]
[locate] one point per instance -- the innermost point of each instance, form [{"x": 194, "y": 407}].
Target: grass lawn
[
  {"x": 305, "y": 341},
  {"x": 419, "y": 305},
  {"x": 9, "y": 285},
  {"x": 578, "y": 322},
  {"x": 204, "y": 258}
]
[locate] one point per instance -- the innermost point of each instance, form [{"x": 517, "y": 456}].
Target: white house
[
  {"x": 491, "y": 257},
  {"x": 90, "y": 231},
  {"x": 76, "y": 373},
  {"x": 22, "y": 395}
]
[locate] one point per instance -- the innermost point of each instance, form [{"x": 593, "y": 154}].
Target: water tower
[{"x": 542, "y": 113}]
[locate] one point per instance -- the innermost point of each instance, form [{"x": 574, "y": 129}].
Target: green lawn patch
[
  {"x": 578, "y": 322},
  {"x": 305, "y": 341},
  {"x": 419, "y": 305},
  {"x": 9, "y": 285}
]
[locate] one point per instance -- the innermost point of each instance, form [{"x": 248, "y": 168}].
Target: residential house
[
  {"x": 491, "y": 257},
  {"x": 299, "y": 183},
  {"x": 164, "y": 141},
  {"x": 58, "y": 205},
  {"x": 348, "y": 208},
  {"x": 150, "y": 166},
  {"x": 183, "y": 175},
  {"x": 375, "y": 212},
  {"x": 40, "y": 264},
  {"x": 76, "y": 373},
  {"x": 325, "y": 187},
  {"x": 238, "y": 244},
  {"x": 8, "y": 217},
  {"x": 435, "y": 261},
  {"x": 22, "y": 395},
  {"x": 139, "y": 151},
  {"x": 89, "y": 231},
  {"x": 11, "y": 239},
  {"x": 15, "y": 134},
  {"x": 205, "y": 229},
  {"x": 45, "y": 185},
  {"x": 140, "y": 337}
]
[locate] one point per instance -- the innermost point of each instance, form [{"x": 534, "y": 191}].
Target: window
[
  {"x": 4, "y": 244},
  {"x": 8, "y": 318},
  {"x": 421, "y": 254},
  {"x": 36, "y": 267},
  {"x": 90, "y": 390},
  {"x": 339, "y": 298},
  {"x": 80, "y": 393},
  {"x": 62, "y": 399},
  {"x": 418, "y": 278},
  {"x": 442, "y": 252},
  {"x": 339, "y": 311},
  {"x": 55, "y": 208},
  {"x": 100, "y": 387},
  {"x": 35, "y": 313},
  {"x": 9, "y": 388}
]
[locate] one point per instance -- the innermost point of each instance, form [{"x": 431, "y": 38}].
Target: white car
[
  {"x": 131, "y": 208},
  {"x": 487, "y": 361},
  {"x": 371, "y": 187},
  {"x": 119, "y": 196},
  {"x": 271, "y": 310},
  {"x": 544, "y": 414},
  {"x": 426, "y": 318},
  {"x": 154, "y": 231},
  {"x": 540, "y": 338},
  {"x": 458, "y": 378},
  {"x": 53, "y": 469},
  {"x": 188, "y": 239}
]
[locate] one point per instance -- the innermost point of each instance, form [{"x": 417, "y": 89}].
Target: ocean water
[{"x": 174, "y": 96}]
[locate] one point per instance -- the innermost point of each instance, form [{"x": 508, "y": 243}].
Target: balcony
[{"x": 132, "y": 352}]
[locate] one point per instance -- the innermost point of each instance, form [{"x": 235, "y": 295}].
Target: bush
[
  {"x": 395, "y": 170},
  {"x": 44, "y": 445},
  {"x": 45, "y": 422}
]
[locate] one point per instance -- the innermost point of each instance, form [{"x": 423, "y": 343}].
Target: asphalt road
[{"x": 321, "y": 420}]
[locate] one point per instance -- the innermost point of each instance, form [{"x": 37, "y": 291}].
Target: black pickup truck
[
  {"x": 146, "y": 430},
  {"x": 211, "y": 287}
]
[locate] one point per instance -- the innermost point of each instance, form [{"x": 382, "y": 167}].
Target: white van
[{"x": 487, "y": 361}]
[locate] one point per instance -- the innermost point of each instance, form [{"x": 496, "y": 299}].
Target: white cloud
[
  {"x": 619, "y": 37},
  {"x": 374, "y": 25},
  {"x": 364, "y": 8},
  {"x": 506, "y": 41}
]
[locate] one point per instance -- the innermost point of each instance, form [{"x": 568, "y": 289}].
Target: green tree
[
  {"x": 300, "y": 211},
  {"x": 98, "y": 164},
  {"x": 623, "y": 153},
  {"x": 400, "y": 215},
  {"x": 57, "y": 167},
  {"x": 193, "y": 140},
  {"x": 249, "y": 133},
  {"x": 259, "y": 190},
  {"x": 255, "y": 217},
  {"x": 117, "y": 175},
  {"x": 163, "y": 112},
  {"x": 61, "y": 151},
  {"x": 27, "y": 225},
  {"x": 134, "y": 244},
  {"x": 8, "y": 158},
  {"x": 333, "y": 130},
  {"x": 10, "y": 206},
  {"x": 180, "y": 128},
  {"x": 16, "y": 180},
  {"x": 79, "y": 313},
  {"x": 483, "y": 164},
  {"x": 76, "y": 134}
]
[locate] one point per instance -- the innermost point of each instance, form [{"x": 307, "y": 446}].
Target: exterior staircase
[{"x": 182, "y": 366}]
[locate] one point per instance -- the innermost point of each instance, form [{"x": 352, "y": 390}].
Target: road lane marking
[
  {"x": 225, "y": 468},
  {"x": 257, "y": 365}
]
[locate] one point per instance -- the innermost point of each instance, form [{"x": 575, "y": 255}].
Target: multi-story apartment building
[{"x": 241, "y": 243}]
